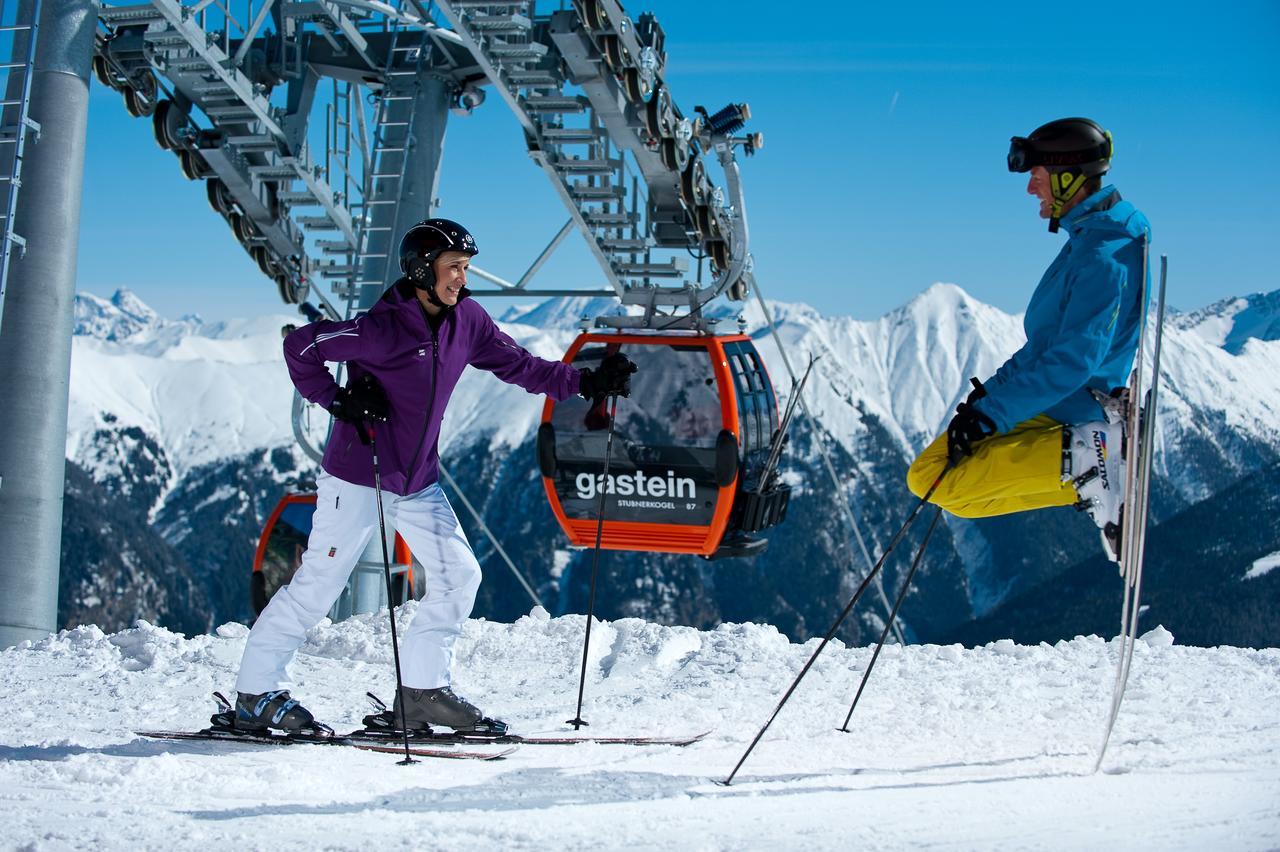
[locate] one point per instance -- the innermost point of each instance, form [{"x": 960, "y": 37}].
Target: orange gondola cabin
[{"x": 689, "y": 448}]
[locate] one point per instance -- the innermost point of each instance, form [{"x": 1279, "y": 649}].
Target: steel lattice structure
[{"x": 317, "y": 126}]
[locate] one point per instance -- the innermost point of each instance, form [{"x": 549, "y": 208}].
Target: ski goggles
[{"x": 1023, "y": 155}]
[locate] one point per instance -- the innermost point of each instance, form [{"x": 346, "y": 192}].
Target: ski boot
[
  {"x": 1094, "y": 462},
  {"x": 426, "y": 707},
  {"x": 384, "y": 723},
  {"x": 275, "y": 710}
]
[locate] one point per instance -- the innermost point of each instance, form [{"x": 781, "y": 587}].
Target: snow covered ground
[{"x": 987, "y": 748}]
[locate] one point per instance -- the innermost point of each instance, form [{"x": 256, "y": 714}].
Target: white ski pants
[{"x": 345, "y": 520}]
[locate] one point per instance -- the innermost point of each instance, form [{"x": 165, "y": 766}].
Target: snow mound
[
  {"x": 1263, "y": 566},
  {"x": 962, "y": 734}
]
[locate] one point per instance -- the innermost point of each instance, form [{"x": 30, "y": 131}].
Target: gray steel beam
[{"x": 35, "y": 334}]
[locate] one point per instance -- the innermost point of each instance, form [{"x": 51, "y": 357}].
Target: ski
[
  {"x": 1141, "y": 423},
  {"x": 379, "y": 735},
  {"x": 380, "y": 727},
  {"x": 215, "y": 734}
]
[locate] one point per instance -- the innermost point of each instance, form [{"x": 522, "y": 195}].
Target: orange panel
[{"x": 657, "y": 538}]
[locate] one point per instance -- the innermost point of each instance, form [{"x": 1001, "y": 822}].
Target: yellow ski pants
[{"x": 1017, "y": 471}]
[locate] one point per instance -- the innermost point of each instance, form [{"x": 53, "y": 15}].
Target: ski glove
[
  {"x": 363, "y": 400},
  {"x": 612, "y": 378},
  {"x": 967, "y": 428}
]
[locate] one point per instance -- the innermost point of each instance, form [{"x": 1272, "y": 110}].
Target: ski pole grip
[{"x": 978, "y": 390}]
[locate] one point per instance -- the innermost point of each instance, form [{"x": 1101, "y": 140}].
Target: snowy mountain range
[{"x": 183, "y": 430}]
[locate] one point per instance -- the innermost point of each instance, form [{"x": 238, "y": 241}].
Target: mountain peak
[
  {"x": 943, "y": 293},
  {"x": 1232, "y": 322},
  {"x": 126, "y": 318},
  {"x": 122, "y": 317},
  {"x": 129, "y": 303}
]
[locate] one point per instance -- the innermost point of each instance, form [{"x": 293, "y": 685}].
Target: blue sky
[{"x": 885, "y": 126}]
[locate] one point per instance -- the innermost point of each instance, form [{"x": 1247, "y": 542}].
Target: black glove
[
  {"x": 613, "y": 378},
  {"x": 978, "y": 392},
  {"x": 965, "y": 429},
  {"x": 363, "y": 400}
]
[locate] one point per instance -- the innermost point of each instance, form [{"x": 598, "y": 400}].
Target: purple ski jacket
[{"x": 418, "y": 368}]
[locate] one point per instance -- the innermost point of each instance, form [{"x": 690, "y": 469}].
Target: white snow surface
[
  {"x": 1263, "y": 566},
  {"x": 955, "y": 748}
]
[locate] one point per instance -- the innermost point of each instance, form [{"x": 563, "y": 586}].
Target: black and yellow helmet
[{"x": 1072, "y": 150}]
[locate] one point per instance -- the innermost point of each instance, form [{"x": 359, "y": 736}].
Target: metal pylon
[{"x": 20, "y": 31}]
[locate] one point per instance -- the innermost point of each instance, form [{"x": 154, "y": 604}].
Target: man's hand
[
  {"x": 613, "y": 378},
  {"x": 968, "y": 427},
  {"x": 363, "y": 400}
]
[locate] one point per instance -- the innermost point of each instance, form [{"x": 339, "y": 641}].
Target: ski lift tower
[
  {"x": 47, "y": 45},
  {"x": 318, "y": 126}
]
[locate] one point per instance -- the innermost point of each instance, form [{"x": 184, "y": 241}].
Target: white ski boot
[{"x": 1096, "y": 454}]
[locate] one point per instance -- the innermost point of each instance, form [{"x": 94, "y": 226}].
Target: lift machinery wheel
[
  {"x": 290, "y": 293},
  {"x": 638, "y": 90},
  {"x": 660, "y": 116},
  {"x": 140, "y": 95},
  {"x": 219, "y": 197},
  {"x": 592, "y": 14},
  {"x": 137, "y": 104},
  {"x": 166, "y": 124},
  {"x": 708, "y": 225},
  {"x": 675, "y": 154},
  {"x": 262, "y": 256},
  {"x": 693, "y": 183},
  {"x": 719, "y": 251},
  {"x": 102, "y": 70},
  {"x": 615, "y": 55},
  {"x": 193, "y": 165},
  {"x": 244, "y": 228}
]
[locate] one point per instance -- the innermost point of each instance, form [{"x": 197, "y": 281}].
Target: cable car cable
[
  {"x": 577, "y": 720},
  {"x": 775, "y": 451},
  {"x": 386, "y": 572},
  {"x": 831, "y": 470},
  {"x": 831, "y": 632},
  {"x": 492, "y": 538}
]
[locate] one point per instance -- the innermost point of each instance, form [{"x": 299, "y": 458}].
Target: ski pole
[
  {"x": 391, "y": 610},
  {"x": 875, "y": 569},
  {"x": 884, "y": 634},
  {"x": 577, "y": 720}
]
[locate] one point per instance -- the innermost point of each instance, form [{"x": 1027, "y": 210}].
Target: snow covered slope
[
  {"x": 201, "y": 392},
  {"x": 988, "y": 748}
]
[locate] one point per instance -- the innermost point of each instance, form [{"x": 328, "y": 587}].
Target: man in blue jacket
[
  {"x": 404, "y": 358},
  {"x": 1036, "y": 434}
]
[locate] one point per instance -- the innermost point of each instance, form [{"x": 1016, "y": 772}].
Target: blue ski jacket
[{"x": 1083, "y": 320}]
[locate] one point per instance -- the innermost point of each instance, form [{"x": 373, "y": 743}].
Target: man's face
[
  {"x": 451, "y": 275},
  {"x": 1040, "y": 187}
]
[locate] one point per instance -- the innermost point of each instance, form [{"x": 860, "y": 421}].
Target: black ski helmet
[
  {"x": 427, "y": 240},
  {"x": 1072, "y": 150}
]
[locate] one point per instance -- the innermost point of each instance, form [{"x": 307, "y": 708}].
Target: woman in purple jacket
[{"x": 404, "y": 358}]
